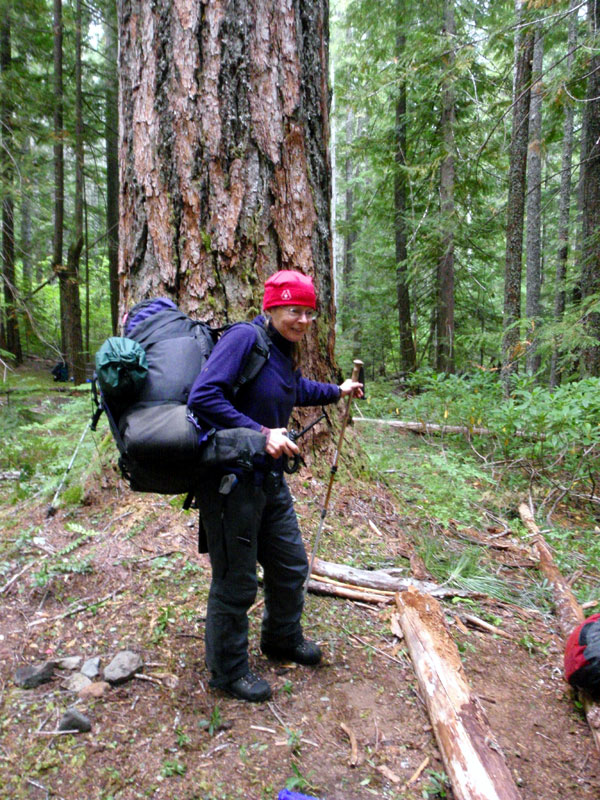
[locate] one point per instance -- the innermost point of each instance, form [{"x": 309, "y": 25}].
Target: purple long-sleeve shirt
[{"x": 268, "y": 400}]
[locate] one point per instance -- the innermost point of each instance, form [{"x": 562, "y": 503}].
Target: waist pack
[
  {"x": 142, "y": 382},
  {"x": 582, "y": 656}
]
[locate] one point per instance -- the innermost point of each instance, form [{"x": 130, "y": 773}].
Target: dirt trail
[{"x": 170, "y": 736}]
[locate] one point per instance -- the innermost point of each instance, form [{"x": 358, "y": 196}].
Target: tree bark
[
  {"x": 408, "y": 356},
  {"x": 533, "y": 256},
  {"x": 472, "y": 759},
  {"x": 111, "y": 134},
  {"x": 565, "y": 199},
  {"x": 224, "y": 172},
  {"x": 516, "y": 205},
  {"x": 590, "y": 273},
  {"x": 59, "y": 175},
  {"x": 26, "y": 229},
  {"x": 70, "y": 280},
  {"x": 12, "y": 340},
  {"x": 445, "y": 273}
]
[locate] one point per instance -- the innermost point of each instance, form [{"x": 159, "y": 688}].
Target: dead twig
[
  {"x": 17, "y": 576},
  {"x": 486, "y": 626},
  {"x": 353, "y": 760},
  {"x": 77, "y": 610},
  {"x": 373, "y": 647},
  {"x": 416, "y": 774}
]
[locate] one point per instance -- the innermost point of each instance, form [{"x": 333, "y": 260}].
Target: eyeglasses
[{"x": 298, "y": 313}]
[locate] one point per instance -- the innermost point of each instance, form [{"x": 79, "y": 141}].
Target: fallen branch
[
  {"x": 473, "y": 761},
  {"x": 381, "y": 580},
  {"x": 568, "y": 609},
  {"x": 330, "y": 588},
  {"x": 569, "y": 612},
  {"x": 432, "y": 427}
]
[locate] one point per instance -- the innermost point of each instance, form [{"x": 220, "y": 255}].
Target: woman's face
[{"x": 292, "y": 322}]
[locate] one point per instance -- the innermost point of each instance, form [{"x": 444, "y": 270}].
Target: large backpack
[
  {"x": 144, "y": 380},
  {"x": 582, "y": 656}
]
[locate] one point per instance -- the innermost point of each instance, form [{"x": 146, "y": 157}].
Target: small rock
[
  {"x": 70, "y": 662},
  {"x": 94, "y": 690},
  {"x": 73, "y": 720},
  {"x": 77, "y": 682},
  {"x": 33, "y": 676},
  {"x": 91, "y": 667},
  {"x": 123, "y": 667}
]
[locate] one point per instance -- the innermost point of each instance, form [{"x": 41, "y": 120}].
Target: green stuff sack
[{"x": 121, "y": 370}]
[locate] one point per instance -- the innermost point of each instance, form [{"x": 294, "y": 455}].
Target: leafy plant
[{"x": 172, "y": 767}]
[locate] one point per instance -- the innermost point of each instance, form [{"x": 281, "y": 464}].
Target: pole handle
[{"x": 357, "y": 365}]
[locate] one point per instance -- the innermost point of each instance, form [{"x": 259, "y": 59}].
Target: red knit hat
[{"x": 288, "y": 287}]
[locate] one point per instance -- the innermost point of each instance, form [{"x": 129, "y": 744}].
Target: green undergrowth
[
  {"x": 451, "y": 481},
  {"x": 40, "y": 431}
]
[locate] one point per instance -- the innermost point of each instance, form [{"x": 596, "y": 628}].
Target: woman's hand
[
  {"x": 279, "y": 445},
  {"x": 351, "y": 387}
]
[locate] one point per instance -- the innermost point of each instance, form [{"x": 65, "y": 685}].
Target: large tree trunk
[
  {"x": 224, "y": 155},
  {"x": 590, "y": 273},
  {"x": 533, "y": 257},
  {"x": 564, "y": 204},
  {"x": 445, "y": 274},
  {"x": 516, "y": 204},
  {"x": 12, "y": 340},
  {"x": 408, "y": 356},
  {"x": 111, "y": 134}
]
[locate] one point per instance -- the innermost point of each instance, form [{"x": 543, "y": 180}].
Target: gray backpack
[{"x": 144, "y": 380}]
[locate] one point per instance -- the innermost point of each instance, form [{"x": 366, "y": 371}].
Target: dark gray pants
[{"x": 249, "y": 524}]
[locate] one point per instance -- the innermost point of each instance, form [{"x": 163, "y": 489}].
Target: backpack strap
[{"x": 258, "y": 357}]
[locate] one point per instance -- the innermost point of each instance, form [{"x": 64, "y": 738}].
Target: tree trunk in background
[
  {"x": 350, "y": 319},
  {"x": 12, "y": 340},
  {"x": 408, "y": 356},
  {"x": 111, "y": 134},
  {"x": 26, "y": 229},
  {"x": 534, "y": 205},
  {"x": 444, "y": 351},
  {"x": 225, "y": 173},
  {"x": 70, "y": 284},
  {"x": 590, "y": 272},
  {"x": 565, "y": 197},
  {"x": 59, "y": 174},
  {"x": 516, "y": 204}
]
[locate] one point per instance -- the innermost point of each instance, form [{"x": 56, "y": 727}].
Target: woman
[{"x": 249, "y": 516}]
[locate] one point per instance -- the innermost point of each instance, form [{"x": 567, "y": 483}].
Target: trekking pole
[
  {"x": 52, "y": 508},
  {"x": 355, "y": 376}
]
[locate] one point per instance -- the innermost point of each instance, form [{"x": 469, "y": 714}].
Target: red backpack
[{"x": 582, "y": 656}]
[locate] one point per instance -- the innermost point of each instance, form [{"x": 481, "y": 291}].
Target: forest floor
[{"x": 120, "y": 570}]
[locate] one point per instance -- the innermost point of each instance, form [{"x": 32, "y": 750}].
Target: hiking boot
[
  {"x": 304, "y": 652},
  {"x": 249, "y": 687}
]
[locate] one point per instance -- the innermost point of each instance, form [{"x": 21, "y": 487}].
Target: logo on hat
[{"x": 286, "y": 295}]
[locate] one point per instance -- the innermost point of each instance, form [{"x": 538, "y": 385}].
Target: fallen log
[
  {"x": 472, "y": 760},
  {"x": 380, "y": 579},
  {"x": 432, "y": 427},
  {"x": 569, "y": 612}
]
